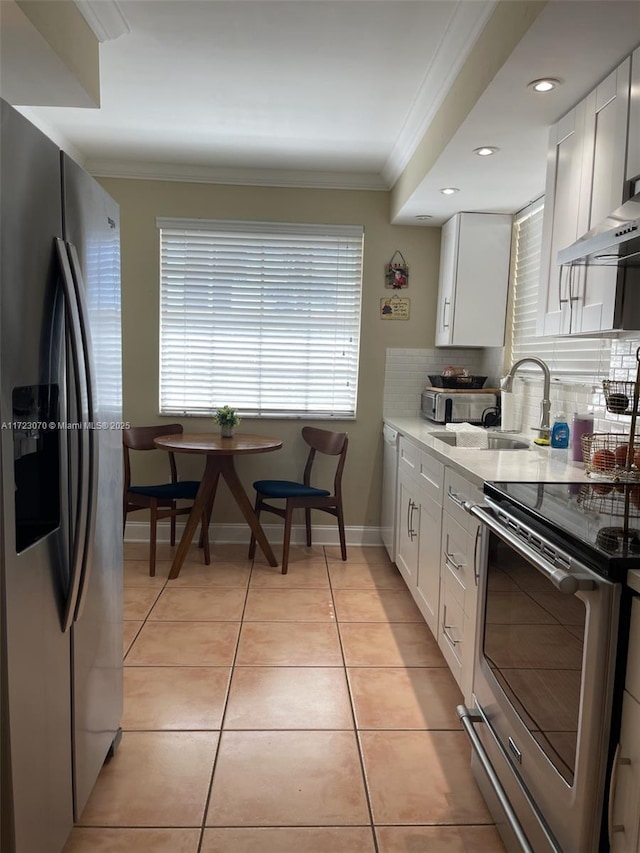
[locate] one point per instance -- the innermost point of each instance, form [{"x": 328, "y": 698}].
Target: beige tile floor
[{"x": 265, "y": 713}]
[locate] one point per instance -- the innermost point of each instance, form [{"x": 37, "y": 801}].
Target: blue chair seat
[
  {"x": 287, "y": 489},
  {"x": 186, "y": 490}
]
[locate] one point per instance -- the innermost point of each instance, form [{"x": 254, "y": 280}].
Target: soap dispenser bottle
[{"x": 560, "y": 431}]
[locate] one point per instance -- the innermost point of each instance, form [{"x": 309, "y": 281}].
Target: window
[
  {"x": 583, "y": 359},
  {"x": 261, "y": 316}
]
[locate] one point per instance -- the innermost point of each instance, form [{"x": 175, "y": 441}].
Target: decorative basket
[
  {"x": 457, "y": 381},
  {"x": 618, "y": 396},
  {"x": 608, "y": 499},
  {"x": 606, "y": 456}
]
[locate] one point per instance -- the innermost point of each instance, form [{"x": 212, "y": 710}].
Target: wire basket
[
  {"x": 609, "y": 499},
  {"x": 606, "y": 455},
  {"x": 618, "y": 396}
]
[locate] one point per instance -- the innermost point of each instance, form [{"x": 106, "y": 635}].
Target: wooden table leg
[
  {"x": 203, "y": 500},
  {"x": 228, "y": 471}
]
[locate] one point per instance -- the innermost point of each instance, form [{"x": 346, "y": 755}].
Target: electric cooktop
[{"x": 598, "y": 522}]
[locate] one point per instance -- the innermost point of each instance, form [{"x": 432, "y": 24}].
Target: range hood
[{"x": 614, "y": 242}]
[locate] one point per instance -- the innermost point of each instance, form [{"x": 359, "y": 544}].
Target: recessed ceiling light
[
  {"x": 449, "y": 190},
  {"x": 424, "y": 216},
  {"x": 545, "y": 84},
  {"x": 485, "y": 151}
]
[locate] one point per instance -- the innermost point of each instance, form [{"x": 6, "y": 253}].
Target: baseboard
[{"x": 138, "y": 531}]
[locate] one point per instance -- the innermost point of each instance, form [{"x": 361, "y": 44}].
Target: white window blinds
[
  {"x": 583, "y": 359},
  {"x": 261, "y": 316}
]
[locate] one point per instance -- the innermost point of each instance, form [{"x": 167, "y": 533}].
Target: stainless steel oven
[{"x": 547, "y": 642}]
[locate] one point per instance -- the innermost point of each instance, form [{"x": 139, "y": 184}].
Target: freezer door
[
  {"x": 91, "y": 230},
  {"x": 36, "y": 771}
]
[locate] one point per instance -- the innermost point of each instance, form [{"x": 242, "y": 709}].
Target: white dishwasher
[{"x": 389, "y": 488}]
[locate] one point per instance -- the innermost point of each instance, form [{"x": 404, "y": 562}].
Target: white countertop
[{"x": 538, "y": 464}]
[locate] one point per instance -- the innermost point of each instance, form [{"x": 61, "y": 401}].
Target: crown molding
[
  {"x": 465, "y": 25},
  {"x": 241, "y": 177},
  {"x": 105, "y": 17}
]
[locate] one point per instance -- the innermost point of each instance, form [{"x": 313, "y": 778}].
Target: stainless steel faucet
[{"x": 507, "y": 383}]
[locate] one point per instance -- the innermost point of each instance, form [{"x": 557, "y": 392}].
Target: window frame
[
  {"x": 572, "y": 359},
  {"x": 318, "y": 301}
]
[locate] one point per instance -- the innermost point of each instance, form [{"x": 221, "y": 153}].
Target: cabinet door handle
[
  {"x": 476, "y": 569},
  {"x": 561, "y": 301},
  {"x": 412, "y": 532},
  {"x": 445, "y": 305},
  {"x": 572, "y": 298},
  {"x": 451, "y": 562},
  {"x": 613, "y": 782},
  {"x": 408, "y": 517},
  {"x": 456, "y": 499},
  {"x": 446, "y": 628}
]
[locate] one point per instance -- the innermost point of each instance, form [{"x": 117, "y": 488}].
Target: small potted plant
[{"x": 227, "y": 418}]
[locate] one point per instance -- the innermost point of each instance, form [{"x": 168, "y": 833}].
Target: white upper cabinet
[
  {"x": 474, "y": 278},
  {"x": 633, "y": 148},
  {"x": 561, "y": 220},
  {"x": 585, "y": 182},
  {"x": 603, "y": 176}
]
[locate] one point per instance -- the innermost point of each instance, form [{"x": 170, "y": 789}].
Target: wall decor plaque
[
  {"x": 395, "y": 308},
  {"x": 396, "y": 272}
]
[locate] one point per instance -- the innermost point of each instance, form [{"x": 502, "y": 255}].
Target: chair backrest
[
  {"x": 330, "y": 443},
  {"x": 141, "y": 438}
]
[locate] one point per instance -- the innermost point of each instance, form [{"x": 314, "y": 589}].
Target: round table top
[{"x": 214, "y": 443}]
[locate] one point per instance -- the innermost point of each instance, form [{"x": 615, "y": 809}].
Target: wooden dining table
[{"x": 220, "y": 455}]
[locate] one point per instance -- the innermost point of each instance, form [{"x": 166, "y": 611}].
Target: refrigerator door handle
[
  {"x": 75, "y": 348},
  {"x": 88, "y": 433}
]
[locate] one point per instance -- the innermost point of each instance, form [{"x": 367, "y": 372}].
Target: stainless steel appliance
[
  {"x": 61, "y": 496},
  {"x": 614, "y": 241},
  {"x": 389, "y": 486},
  {"x": 450, "y": 406},
  {"x": 551, "y": 650}
]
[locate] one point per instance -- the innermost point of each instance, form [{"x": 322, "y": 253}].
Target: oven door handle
[
  {"x": 468, "y": 717},
  {"x": 563, "y": 581}
]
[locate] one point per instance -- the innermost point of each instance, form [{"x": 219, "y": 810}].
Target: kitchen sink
[{"x": 496, "y": 442}]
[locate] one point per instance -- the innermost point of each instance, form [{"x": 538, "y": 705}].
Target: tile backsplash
[{"x": 407, "y": 370}]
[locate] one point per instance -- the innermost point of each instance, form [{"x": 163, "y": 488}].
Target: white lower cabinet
[
  {"x": 407, "y": 528},
  {"x": 428, "y": 581},
  {"x": 625, "y": 822},
  {"x": 626, "y": 809},
  {"x": 418, "y": 525},
  {"x": 458, "y": 579},
  {"x": 452, "y": 638},
  {"x": 435, "y": 554}
]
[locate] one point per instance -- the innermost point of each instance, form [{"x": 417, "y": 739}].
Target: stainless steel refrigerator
[{"x": 61, "y": 487}]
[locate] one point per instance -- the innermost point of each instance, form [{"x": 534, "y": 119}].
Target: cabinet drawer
[
  {"x": 452, "y": 624},
  {"x": 632, "y": 683},
  {"x": 458, "y": 558},
  {"x": 408, "y": 454},
  {"x": 457, "y": 490},
  {"x": 626, "y": 805},
  {"x": 455, "y": 552},
  {"x": 430, "y": 473}
]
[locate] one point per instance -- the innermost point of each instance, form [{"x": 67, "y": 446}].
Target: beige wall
[{"x": 142, "y": 201}]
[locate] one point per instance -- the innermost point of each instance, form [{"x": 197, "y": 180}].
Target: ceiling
[{"x": 335, "y": 93}]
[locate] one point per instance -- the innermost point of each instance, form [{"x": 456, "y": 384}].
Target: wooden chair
[
  {"x": 161, "y": 499},
  {"x": 304, "y": 495}
]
